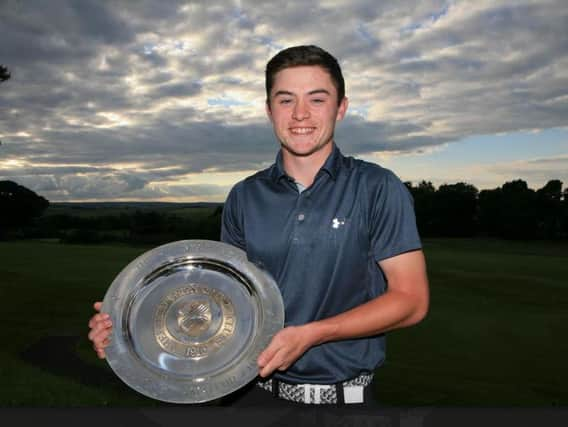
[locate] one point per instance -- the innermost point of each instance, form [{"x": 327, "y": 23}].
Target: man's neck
[{"x": 305, "y": 168}]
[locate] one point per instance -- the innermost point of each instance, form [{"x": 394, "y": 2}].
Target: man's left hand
[{"x": 285, "y": 348}]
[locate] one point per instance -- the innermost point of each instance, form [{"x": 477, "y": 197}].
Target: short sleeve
[
  {"x": 393, "y": 229},
  {"x": 232, "y": 220}
]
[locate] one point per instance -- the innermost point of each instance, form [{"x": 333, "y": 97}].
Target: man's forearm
[{"x": 392, "y": 310}]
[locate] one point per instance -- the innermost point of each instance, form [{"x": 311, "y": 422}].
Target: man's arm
[{"x": 405, "y": 303}]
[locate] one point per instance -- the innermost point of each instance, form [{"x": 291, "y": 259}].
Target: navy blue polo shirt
[{"x": 321, "y": 246}]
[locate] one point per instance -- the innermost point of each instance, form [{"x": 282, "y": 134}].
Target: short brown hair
[{"x": 307, "y": 55}]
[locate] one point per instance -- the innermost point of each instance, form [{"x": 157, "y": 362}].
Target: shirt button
[{"x": 301, "y": 217}]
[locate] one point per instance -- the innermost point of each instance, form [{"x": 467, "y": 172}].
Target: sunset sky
[{"x": 164, "y": 100}]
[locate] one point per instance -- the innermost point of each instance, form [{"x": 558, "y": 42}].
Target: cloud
[
  {"x": 538, "y": 171},
  {"x": 117, "y": 186},
  {"x": 167, "y": 89},
  {"x": 180, "y": 89}
]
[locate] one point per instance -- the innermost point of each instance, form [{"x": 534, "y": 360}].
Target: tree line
[{"x": 511, "y": 211}]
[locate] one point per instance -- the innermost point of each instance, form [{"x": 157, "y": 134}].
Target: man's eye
[
  {"x": 318, "y": 101},
  {"x": 285, "y": 101}
]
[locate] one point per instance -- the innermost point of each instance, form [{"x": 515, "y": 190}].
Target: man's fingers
[
  {"x": 267, "y": 370},
  {"x": 100, "y": 333},
  {"x": 280, "y": 353},
  {"x": 271, "y": 367},
  {"x": 100, "y": 323},
  {"x": 100, "y": 330},
  {"x": 98, "y": 318},
  {"x": 267, "y": 355},
  {"x": 277, "y": 361},
  {"x": 97, "y": 336},
  {"x": 100, "y": 353}
]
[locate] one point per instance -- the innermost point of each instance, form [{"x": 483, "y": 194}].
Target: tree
[
  {"x": 491, "y": 212},
  {"x": 565, "y": 213},
  {"x": 455, "y": 210},
  {"x": 550, "y": 210},
  {"x": 4, "y": 73},
  {"x": 424, "y": 205},
  {"x": 518, "y": 207},
  {"x": 19, "y": 205}
]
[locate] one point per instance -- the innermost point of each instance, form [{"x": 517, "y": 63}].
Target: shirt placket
[
  {"x": 305, "y": 225},
  {"x": 301, "y": 216}
]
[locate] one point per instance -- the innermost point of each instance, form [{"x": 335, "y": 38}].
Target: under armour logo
[{"x": 337, "y": 222}]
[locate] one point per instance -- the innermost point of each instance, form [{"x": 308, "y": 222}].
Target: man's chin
[{"x": 308, "y": 151}]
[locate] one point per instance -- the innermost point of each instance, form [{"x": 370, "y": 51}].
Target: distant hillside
[
  {"x": 138, "y": 205},
  {"x": 129, "y": 222},
  {"x": 98, "y": 209}
]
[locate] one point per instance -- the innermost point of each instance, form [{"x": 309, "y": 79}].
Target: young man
[{"x": 338, "y": 235}]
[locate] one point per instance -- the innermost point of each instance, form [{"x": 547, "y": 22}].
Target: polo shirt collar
[{"x": 331, "y": 166}]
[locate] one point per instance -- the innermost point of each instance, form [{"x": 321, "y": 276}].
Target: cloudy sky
[{"x": 164, "y": 100}]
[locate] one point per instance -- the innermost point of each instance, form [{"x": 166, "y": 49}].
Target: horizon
[
  {"x": 198, "y": 202},
  {"x": 108, "y": 103}
]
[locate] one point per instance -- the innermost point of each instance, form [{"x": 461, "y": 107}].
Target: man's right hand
[{"x": 101, "y": 328}]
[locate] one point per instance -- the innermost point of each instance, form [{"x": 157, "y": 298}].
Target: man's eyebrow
[
  {"x": 316, "y": 91},
  {"x": 283, "y": 92},
  {"x": 311, "y": 92}
]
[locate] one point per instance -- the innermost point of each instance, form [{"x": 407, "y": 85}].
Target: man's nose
[{"x": 301, "y": 111}]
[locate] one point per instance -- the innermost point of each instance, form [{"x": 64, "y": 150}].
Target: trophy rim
[{"x": 126, "y": 290}]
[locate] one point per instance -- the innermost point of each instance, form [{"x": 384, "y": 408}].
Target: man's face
[{"x": 303, "y": 109}]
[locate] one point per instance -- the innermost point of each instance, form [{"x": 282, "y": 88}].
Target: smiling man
[
  {"x": 303, "y": 108},
  {"x": 338, "y": 235}
]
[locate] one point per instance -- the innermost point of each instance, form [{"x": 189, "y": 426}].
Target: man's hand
[
  {"x": 285, "y": 348},
  {"x": 101, "y": 328}
]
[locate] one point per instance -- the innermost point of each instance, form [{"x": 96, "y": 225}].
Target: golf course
[{"x": 495, "y": 334}]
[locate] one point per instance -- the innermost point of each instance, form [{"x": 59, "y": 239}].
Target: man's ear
[
  {"x": 342, "y": 109},
  {"x": 268, "y": 110}
]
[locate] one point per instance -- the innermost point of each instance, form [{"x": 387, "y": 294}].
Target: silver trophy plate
[{"x": 189, "y": 320}]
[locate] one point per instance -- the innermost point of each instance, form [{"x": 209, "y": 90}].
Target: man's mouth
[{"x": 302, "y": 130}]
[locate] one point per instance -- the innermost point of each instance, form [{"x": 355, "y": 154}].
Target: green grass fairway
[
  {"x": 496, "y": 331},
  {"x": 48, "y": 290},
  {"x": 495, "y": 334}
]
